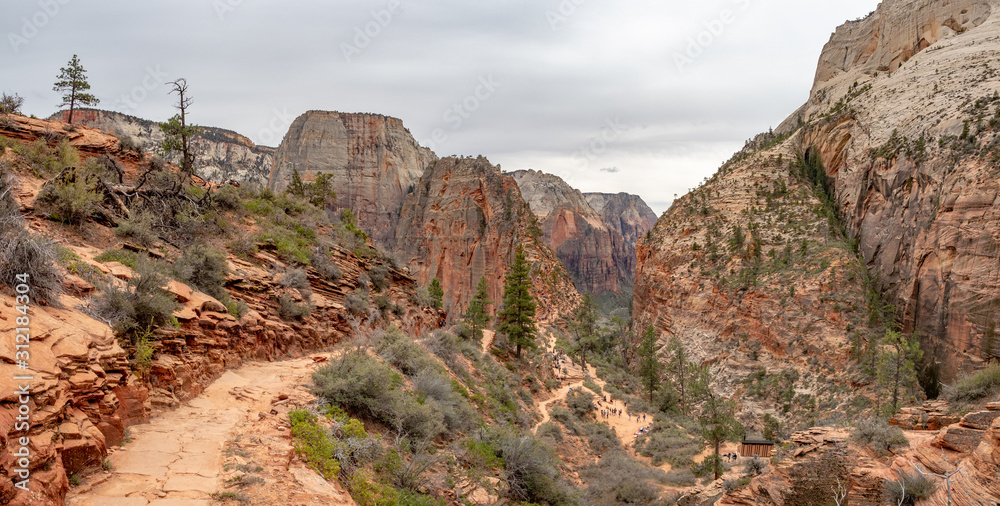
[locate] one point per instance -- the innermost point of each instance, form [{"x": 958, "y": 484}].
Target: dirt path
[
  {"x": 625, "y": 426},
  {"x": 177, "y": 458}
]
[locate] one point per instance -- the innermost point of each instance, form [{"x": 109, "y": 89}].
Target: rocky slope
[
  {"x": 222, "y": 155},
  {"x": 86, "y": 390},
  {"x": 910, "y": 182},
  {"x": 373, "y": 158},
  {"x": 464, "y": 221},
  {"x": 597, "y": 256},
  {"x": 624, "y": 212},
  {"x": 912, "y": 156}
]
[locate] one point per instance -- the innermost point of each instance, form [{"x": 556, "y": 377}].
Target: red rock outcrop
[
  {"x": 598, "y": 257},
  {"x": 466, "y": 220},
  {"x": 624, "y": 212},
  {"x": 80, "y": 137},
  {"x": 373, "y": 158}
]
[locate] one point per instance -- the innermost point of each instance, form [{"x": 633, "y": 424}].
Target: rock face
[
  {"x": 624, "y": 212},
  {"x": 373, "y": 158},
  {"x": 466, "y": 220},
  {"x": 917, "y": 186},
  {"x": 596, "y": 255},
  {"x": 895, "y": 32},
  {"x": 221, "y": 155},
  {"x": 80, "y": 137},
  {"x": 925, "y": 213}
]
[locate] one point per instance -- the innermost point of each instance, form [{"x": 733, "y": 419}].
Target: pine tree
[
  {"x": 584, "y": 326},
  {"x": 649, "y": 362},
  {"x": 680, "y": 372},
  {"x": 517, "y": 319},
  {"x": 72, "y": 83},
  {"x": 178, "y": 133},
  {"x": 477, "y": 315},
  {"x": 717, "y": 422},
  {"x": 901, "y": 371},
  {"x": 437, "y": 293}
]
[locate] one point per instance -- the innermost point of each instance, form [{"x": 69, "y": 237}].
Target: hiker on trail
[{"x": 644, "y": 417}]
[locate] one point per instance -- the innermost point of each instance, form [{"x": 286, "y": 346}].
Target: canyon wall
[
  {"x": 597, "y": 256},
  {"x": 374, "y": 160},
  {"x": 464, "y": 221}
]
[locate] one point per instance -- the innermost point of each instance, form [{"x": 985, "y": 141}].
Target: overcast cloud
[{"x": 570, "y": 87}]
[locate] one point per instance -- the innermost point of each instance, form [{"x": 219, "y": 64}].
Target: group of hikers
[
  {"x": 609, "y": 411},
  {"x": 731, "y": 456}
]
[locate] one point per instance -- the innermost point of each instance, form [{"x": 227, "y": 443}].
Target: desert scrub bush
[
  {"x": 128, "y": 143},
  {"x": 379, "y": 276},
  {"x": 24, "y": 256},
  {"x": 205, "y": 268},
  {"x": 680, "y": 478},
  {"x": 908, "y": 488},
  {"x": 593, "y": 387},
  {"x": 288, "y": 309},
  {"x": 386, "y": 306},
  {"x": 138, "y": 229},
  {"x": 141, "y": 306},
  {"x": 582, "y": 403},
  {"x": 530, "y": 470},
  {"x": 878, "y": 435},
  {"x": 70, "y": 198},
  {"x": 297, "y": 279},
  {"x": 619, "y": 479},
  {"x": 445, "y": 345},
  {"x": 361, "y": 384},
  {"x": 754, "y": 467},
  {"x": 228, "y": 198},
  {"x": 291, "y": 240},
  {"x": 667, "y": 443},
  {"x": 327, "y": 269},
  {"x": 11, "y": 104},
  {"x": 458, "y": 414},
  {"x": 45, "y": 161},
  {"x": 243, "y": 246},
  {"x": 981, "y": 385},
  {"x": 550, "y": 431},
  {"x": 356, "y": 302},
  {"x": 600, "y": 437},
  {"x": 398, "y": 349}
]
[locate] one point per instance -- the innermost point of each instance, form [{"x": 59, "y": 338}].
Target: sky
[{"x": 645, "y": 97}]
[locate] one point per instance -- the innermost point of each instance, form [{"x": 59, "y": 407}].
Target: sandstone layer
[
  {"x": 374, "y": 160},
  {"x": 624, "y": 212},
  {"x": 221, "y": 155},
  {"x": 465, "y": 221},
  {"x": 597, "y": 256}
]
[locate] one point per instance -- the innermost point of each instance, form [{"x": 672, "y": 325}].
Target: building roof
[{"x": 757, "y": 442}]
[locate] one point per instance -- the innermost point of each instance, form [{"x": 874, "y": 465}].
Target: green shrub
[
  {"x": 458, "y": 414},
  {"x": 127, "y": 258},
  {"x": 356, "y": 302},
  {"x": 297, "y": 279},
  {"x": 205, "y": 268},
  {"x": 530, "y": 469},
  {"x": 754, "y": 467},
  {"x": 11, "y": 104},
  {"x": 668, "y": 443},
  {"x": 228, "y": 198},
  {"x": 582, "y": 403},
  {"x": 379, "y": 276},
  {"x": 984, "y": 384},
  {"x": 291, "y": 310},
  {"x": 312, "y": 443},
  {"x": 71, "y": 198},
  {"x": 328, "y": 270},
  {"x": 878, "y": 435},
  {"x": 445, "y": 345},
  {"x": 243, "y": 246},
  {"x": 138, "y": 229},
  {"x": 908, "y": 488},
  {"x": 398, "y": 349},
  {"x": 140, "y": 307},
  {"x": 680, "y": 478}
]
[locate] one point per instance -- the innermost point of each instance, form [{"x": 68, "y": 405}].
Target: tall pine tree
[
  {"x": 72, "y": 83},
  {"x": 649, "y": 362},
  {"x": 585, "y": 327},
  {"x": 477, "y": 315},
  {"x": 436, "y": 293},
  {"x": 517, "y": 318}
]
